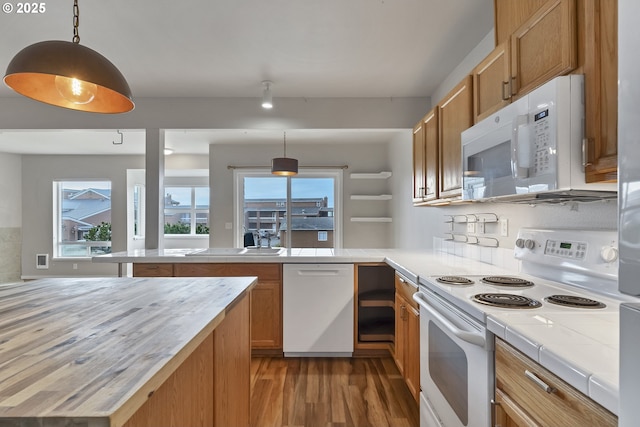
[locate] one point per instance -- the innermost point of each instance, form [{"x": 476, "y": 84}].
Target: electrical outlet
[
  {"x": 228, "y": 226},
  {"x": 504, "y": 227},
  {"x": 471, "y": 227}
]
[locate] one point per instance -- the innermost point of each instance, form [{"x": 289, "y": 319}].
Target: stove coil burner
[
  {"x": 507, "y": 281},
  {"x": 506, "y": 300},
  {"x": 454, "y": 280},
  {"x": 574, "y": 301}
]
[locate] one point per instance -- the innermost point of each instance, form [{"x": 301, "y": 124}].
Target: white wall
[
  {"x": 359, "y": 158},
  {"x": 10, "y": 216},
  {"x": 38, "y": 174}
]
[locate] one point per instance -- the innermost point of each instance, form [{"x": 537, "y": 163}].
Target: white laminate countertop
[
  {"x": 581, "y": 348},
  {"x": 89, "y": 351}
]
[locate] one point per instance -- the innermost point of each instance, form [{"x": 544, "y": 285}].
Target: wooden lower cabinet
[
  {"x": 407, "y": 336},
  {"x": 266, "y": 300},
  {"x": 520, "y": 401},
  {"x": 212, "y": 387}
]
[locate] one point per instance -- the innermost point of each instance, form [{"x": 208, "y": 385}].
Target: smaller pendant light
[
  {"x": 267, "y": 97},
  {"x": 68, "y": 75},
  {"x": 284, "y": 166}
]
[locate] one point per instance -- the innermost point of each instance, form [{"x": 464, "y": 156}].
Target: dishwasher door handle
[
  {"x": 318, "y": 272},
  {"x": 470, "y": 337}
]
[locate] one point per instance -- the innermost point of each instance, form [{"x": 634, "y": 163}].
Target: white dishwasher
[{"x": 317, "y": 310}]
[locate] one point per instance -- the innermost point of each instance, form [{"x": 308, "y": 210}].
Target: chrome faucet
[{"x": 258, "y": 238}]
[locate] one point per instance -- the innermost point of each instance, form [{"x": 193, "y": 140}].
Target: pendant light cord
[
  {"x": 76, "y": 22},
  {"x": 285, "y": 144}
]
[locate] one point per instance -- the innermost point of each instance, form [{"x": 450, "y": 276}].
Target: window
[
  {"x": 186, "y": 210},
  {"x": 300, "y": 211},
  {"x": 138, "y": 211},
  {"x": 82, "y": 218}
]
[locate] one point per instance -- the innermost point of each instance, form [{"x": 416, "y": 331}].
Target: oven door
[{"x": 456, "y": 363}]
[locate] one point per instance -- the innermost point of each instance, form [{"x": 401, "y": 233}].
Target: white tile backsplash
[{"x": 501, "y": 257}]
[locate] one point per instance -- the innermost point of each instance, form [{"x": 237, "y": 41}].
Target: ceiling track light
[
  {"x": 267, "y": 97},
  {"x": 284, "y": 166},
  {"x": 68, "y": 75}
]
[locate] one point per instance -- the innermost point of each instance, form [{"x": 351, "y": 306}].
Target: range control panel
[{"x": 566, "y": 249}]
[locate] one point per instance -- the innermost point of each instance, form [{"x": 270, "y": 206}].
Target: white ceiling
[{"x": 215, "y": 48}]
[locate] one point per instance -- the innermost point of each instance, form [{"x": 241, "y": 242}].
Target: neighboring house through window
[{"x": 82, "y": 218}]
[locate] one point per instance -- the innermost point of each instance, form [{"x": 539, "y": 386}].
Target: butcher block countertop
[{"x": 89, "y": 351}]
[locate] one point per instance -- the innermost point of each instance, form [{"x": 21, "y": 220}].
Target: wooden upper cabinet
[
  {"x": 491, "y": 83},
  {"x": 425, "y": 158},
  {"x": 544, "y": 46},
  {"x": 419, "y": 183},
  {"x": 510, "y": 14},
  {"x": 601, "y": 88},
  {"x": 431, "y": 140},
  {"x": 455, "y": 115}
]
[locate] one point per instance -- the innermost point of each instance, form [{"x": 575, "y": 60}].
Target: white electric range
[{"x": 579, "y": 344}]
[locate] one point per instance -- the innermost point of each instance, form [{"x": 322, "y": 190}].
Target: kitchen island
[{"x": 125, "y": 352}]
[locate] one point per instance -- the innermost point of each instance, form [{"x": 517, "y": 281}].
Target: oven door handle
[{"x": 470, "y": 337}]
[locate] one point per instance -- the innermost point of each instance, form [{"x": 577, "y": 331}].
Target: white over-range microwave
[{"x": 532, "y": 150}]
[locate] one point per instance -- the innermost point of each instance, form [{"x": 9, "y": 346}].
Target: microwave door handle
[
  {"x": 519, "y": 149},
  {"x": 470, "y": 337}
]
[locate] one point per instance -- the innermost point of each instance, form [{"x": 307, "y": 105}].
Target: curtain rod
[{"x": 301, "y": 167}]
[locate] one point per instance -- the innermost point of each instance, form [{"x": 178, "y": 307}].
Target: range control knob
[
  {"x": 529, "y": 244},
  {"x": 520, "y": 243},
  {"x": 609, "y": 254}
]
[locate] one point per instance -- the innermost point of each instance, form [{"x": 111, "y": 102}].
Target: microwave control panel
[{"x": 542, "y": 150}]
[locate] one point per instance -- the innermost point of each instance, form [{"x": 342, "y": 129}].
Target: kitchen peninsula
[{"x": 101, "y": 352}]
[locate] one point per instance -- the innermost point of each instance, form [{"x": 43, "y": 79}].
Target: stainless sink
[
  {"x": 262, "y": 251},
  {"x": 250, "y": 251}
]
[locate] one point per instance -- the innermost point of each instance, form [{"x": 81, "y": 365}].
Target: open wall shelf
[{"x": 377, "y": 175}]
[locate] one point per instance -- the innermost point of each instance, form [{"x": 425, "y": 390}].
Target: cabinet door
[
  {"x": 152, "y": 270},
  {"x": 266, "y": 316},
  {"x": 509, "y": 414},
  {"x": 431, "y": 138},
  {"x": 456, "y": 115},
  {"x": 412, "y": 356},
  {"x": 562, "y": 405},
  {"x": 400, "y": 330},
  {"x": 544, "y": 46},
  {"x": 601, "y": 89},
  {"x": 266, "y": 300},
  {"x": 491, "y": 83},
  {"x": 418, "y": 164},
  {"x": 510, "y": 14}
]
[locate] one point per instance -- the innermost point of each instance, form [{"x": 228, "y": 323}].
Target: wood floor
[{"x": 330, "y": 392}]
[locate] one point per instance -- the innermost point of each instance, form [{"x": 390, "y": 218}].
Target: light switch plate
[{"x": 504, "y": 227}]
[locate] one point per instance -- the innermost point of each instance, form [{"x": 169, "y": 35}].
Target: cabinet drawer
[
  {"x": 152, "y": 270},
  {"x": 264, "y": 272},
  {"x": 406, "y": 289},
  {"x": 564, "y": 405}
]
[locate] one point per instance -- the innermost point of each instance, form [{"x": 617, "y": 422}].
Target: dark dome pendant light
[{"x": 68, "y": 75}]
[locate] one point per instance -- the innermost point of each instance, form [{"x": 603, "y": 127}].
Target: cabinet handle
[
  {"x": 533, "y": 377},
  {"x": 514, "y": 89},
  {"x": 401, "y": 280},
  {"x": 585, "y": 160},
  {"x": 506, "y": 95}
]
